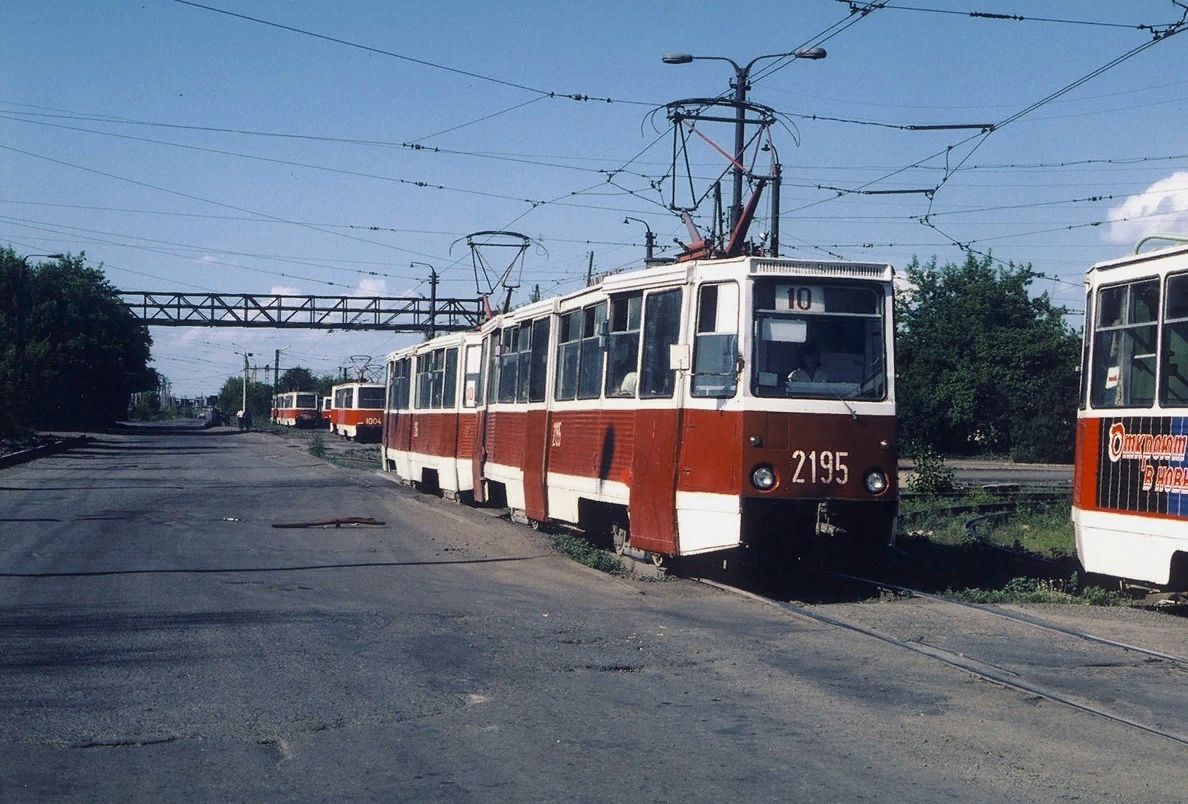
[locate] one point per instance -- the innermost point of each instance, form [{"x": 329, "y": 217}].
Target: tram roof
[{"x": 1177, "y": 253}]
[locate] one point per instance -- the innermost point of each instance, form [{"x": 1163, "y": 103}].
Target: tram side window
[
  {"x": 569, "y": 336},
  {"x": 523, "y": 360},
  {"x": 472, "y": 382},
  {"x": 493, "y": 346},
  {"x": 1174, "y": 383},
  {"x": 662, "y": 329},
  {"x": 371, "y": 398},
  {"x": 449, "y": 379},
  {"x": 539, "y": 371},
  {"x": 623, "y": 344},
  {"x": 342, "y": 398},
  {"x": 591, "y": 353},
  {"x": 715, "y": 348},
  {"x": 1124, "y": 345},
  {"x": 509, "y": 364},
  {"x": 1083, "y": 391}
]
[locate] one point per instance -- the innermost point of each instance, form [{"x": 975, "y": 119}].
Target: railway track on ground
[{"x": 998, "y": 669}]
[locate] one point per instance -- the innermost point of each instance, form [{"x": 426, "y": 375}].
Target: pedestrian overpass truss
[{"x": 391, "y": 314}]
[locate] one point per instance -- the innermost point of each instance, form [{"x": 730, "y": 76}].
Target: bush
[
  {"x": 317, "y": 447},
  {"x": 932, "y": 476}
]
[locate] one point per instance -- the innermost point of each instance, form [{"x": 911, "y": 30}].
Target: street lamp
[
  {"x": 432, "y": 296},
  {"x": 649, "y": 238},
  {"x": 18, "y": 370},
  {"x": 741, "y": 85}
]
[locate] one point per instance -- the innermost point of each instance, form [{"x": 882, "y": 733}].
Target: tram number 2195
[{"x": 822, "y": 466}]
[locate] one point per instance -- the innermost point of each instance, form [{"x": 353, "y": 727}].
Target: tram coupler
[{"x": 825, "y": 527}]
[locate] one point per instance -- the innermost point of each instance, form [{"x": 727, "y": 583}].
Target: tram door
[
  {"x": 654, "y": 467},
  {"x": 483, "y": 396},
  {"x": 534, "y": 343}
]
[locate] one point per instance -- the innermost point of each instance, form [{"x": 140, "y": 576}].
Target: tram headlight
[
  {"x": 875, "y": 481},
  {"x": 763, "y": 478}
]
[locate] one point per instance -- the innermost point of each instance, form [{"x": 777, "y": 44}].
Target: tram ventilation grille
[{"x": 846, "y": 269}]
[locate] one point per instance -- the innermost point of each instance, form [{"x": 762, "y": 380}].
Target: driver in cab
[{"x": 810, "y": 368}]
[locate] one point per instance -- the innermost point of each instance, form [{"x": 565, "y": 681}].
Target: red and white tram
[
  {"x": 327, "y": 402},
  {"x": 1130, "y": 485},
  {"x": 357, "y": 410},
  {"x": 297, "y": 409},
  {"x": 685, "y": 408}
]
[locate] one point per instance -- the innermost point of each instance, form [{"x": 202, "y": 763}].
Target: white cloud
[
  {"x": 282, "y": 290},
  {"x": 1160, "y": 209},
  {"x": 372, "y": 287}
]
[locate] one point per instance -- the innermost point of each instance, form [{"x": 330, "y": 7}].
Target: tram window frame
[
  {"x": 622, "y": 343},
  {"x": 538, "y": 373},
  {"x": 847, "y": 321},
  {"x": 1086, "y": 354},
  {"x": 569, "y": 336},
  {"x": 343, "y": 398},
  {"x": 509, "y": 364},
  {"x": 365, "y": 401},
  {"x": 492, "y": 342},
  {"x": 715, "y": 341},
  {"x": 472, "y": 378},
  {"x": 422, "y": 390},
  {"x": 449, "y": 389},
  {"x": 661, "y": 330},
  {"x": 592, "y": 351},
  {"x": 523, "y": 360},
  {"x": 1173, "y": 360},
  {"x": 1134, "y": 321}
]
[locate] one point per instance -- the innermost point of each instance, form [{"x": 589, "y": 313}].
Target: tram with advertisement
[
  {"x": 1130, "y": 485},
  {"x": 297, "y": 409},
  {"x": 684, "y": 409},
  {"x": 357, "y": 410}
]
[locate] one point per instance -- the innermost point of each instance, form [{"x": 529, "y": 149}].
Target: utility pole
[
  {"x": 649, "y": 238},
  {"x": 246, "y": 355},
  {"x": 590, "y": 269},
  {"x": 432, "y": 303},
  {"x": 275, "y": 379},
  {"x": 432, "y": 296}
]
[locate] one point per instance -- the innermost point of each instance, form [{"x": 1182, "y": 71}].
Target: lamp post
[
  {"x": 741, "y": 85},
  {"x": 649, "y": 238},
  {"x": 432, "y": 296},
  {"x": 20, "y": 302}
]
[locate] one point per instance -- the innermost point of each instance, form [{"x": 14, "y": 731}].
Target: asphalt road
[{"x": 161, "y": 640}]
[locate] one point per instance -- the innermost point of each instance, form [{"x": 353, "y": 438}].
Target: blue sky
[{"x": 187, "y": 149}]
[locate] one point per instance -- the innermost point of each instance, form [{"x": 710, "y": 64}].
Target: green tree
[
  {"x": 71, "y": 352},
  {"x": 325, "y": 385},
  {"x": 296, "y": 379},
  {"x": 259, "y": 399},
  {"x": 984, "y": 367}
]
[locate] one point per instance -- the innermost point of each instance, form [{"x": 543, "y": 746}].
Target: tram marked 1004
[
  {"x": 683, "y": 409},
  {"x": 1130, "y": 485},
  {"x": 356, "y": 411}
]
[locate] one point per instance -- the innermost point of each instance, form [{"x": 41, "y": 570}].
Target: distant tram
[
  {"x": 1130, "y": 487},
  {"x": 297, "y": 409},
  {"x": 326, "y": 404},
  {"x": 683, "y": 409},
  {"x": 357, "y": 410}
]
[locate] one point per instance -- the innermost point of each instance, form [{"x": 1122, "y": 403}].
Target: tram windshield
[{"x": 819, "y": 340}]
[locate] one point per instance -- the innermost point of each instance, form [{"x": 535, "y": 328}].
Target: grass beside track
[{"x": 1038, "y": 529}]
